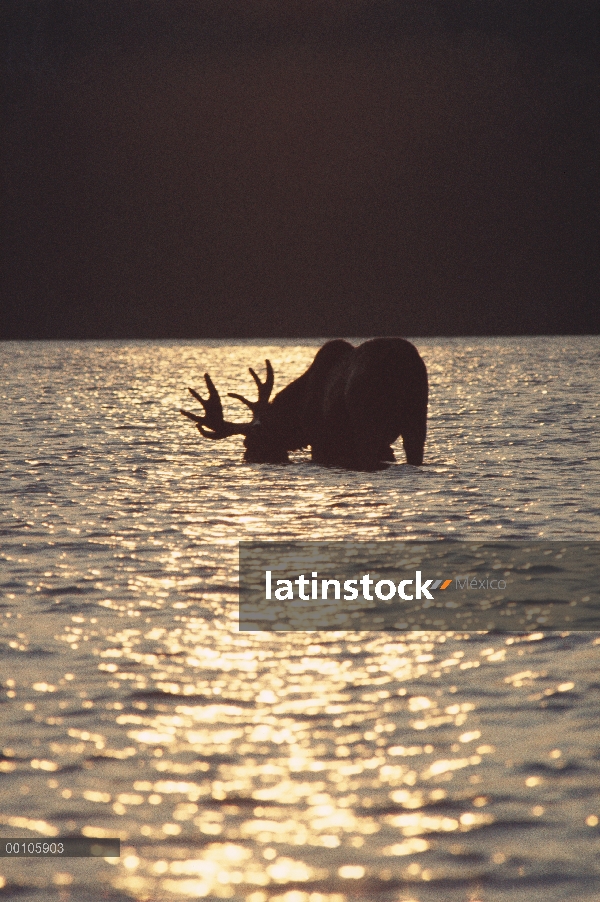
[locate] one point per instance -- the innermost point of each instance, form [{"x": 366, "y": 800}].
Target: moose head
[
  {"x": 349, "y": 407},
  {"x": 262, "y": 443}
]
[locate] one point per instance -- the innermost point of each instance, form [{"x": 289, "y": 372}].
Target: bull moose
[{"x": 350, "y": 405}]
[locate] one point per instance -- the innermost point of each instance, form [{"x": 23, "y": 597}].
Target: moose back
[{"x": 349, "y": 407}]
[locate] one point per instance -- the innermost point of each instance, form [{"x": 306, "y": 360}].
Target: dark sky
[{"x": 212, "y": 168}]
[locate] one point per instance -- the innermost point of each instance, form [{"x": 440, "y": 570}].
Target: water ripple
[{"x": 289, "y": 767}]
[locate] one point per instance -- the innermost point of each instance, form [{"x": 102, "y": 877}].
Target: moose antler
[
  {"x": 264, "y": 390},
  {"x": 213, "y": 419}
]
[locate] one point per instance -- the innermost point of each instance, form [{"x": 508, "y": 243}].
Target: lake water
[{"x": 286, "y": 767}]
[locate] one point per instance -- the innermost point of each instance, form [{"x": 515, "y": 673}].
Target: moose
[{"x": 350, "y": 406}]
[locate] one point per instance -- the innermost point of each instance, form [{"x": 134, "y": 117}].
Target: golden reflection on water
[
  {"x": 322, "y": 765},
  {"x": 296, "y": 767},
  {"x": 314, "y": 763}
]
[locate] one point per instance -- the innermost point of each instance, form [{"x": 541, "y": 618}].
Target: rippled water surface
[{"x": 290, "y": 767}]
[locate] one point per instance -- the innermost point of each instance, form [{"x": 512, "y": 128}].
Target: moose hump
[{"x": 349, "y": 407}]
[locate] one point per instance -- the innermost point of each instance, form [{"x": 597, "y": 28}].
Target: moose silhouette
[{"x": 350, "y": 405}]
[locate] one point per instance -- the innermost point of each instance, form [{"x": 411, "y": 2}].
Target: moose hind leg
[
  {"x": 369, "y": 452},
  {"x": 414, "y": 443}
]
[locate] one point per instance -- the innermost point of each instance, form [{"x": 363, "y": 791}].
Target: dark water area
[{"x": 321, "y": 766}]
